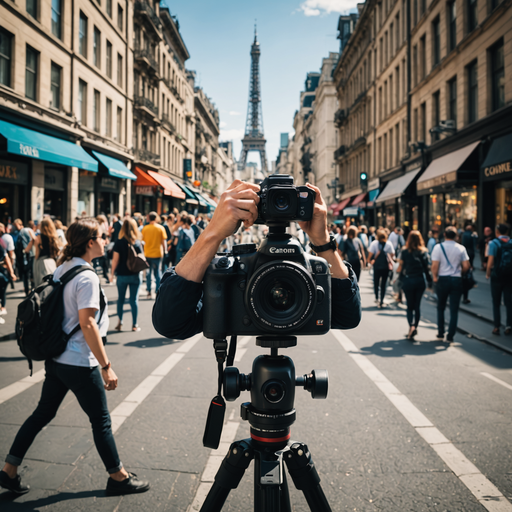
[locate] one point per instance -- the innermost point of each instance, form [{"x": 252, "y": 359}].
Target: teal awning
[
  {"x": 25, "y": 142},
  {"x": 210, "y": 202},
  {"x": 201, "y": 200},
  {"x": 115, "y": 167},
  {"x": 191, "y": 197}
]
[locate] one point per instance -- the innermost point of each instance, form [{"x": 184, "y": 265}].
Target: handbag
[
  {"x": 468, "y": 281},
  {"x": 135, "y": 261}
]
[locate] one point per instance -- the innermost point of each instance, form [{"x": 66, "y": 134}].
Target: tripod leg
[
  {"x": 305, "y": 476},
  {"x": 229, "y": 475}
]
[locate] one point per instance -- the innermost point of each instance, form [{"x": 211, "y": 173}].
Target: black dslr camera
[{"x": 277, "y": 289}]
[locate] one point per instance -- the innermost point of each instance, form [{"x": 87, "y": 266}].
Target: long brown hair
[
  {"x": 415, "y": 241},
  {"x": 130, "y": 231},
  {"x": 47, "y": 228},
  {"x": 78, "y": 236},
  {"x": 381, "y": 235}
]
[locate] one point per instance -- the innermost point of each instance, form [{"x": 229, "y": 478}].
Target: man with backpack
[
  {"x": 186, "y": 237},
  {"x": 155, "y": 248},
  {"x": 499, "y": 269}
]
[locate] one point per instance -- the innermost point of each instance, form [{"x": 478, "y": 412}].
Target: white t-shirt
[
  {"x": 8, "y": 242},
  {"x": 456, "y": 254},
  {"x": 82, "y": 292},
  {"x": 375, "y": 248},
  {"x": 394, "y": 239}
]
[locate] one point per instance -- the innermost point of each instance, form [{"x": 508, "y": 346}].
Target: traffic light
[
  {"x": 187, "y": 169},
  {"x": 363, "y": 180}
]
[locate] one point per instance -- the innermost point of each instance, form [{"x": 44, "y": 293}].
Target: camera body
[
  {"x": 282, "y": 201},
  {"x": 277, "y": 289}
]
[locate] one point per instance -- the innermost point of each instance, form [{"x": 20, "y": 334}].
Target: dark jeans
[
  {"x": 154, "y": 267},
  {"x": 356, "y": 267},
  {"x": 103, "y": 263},
  {"x": 448, "y": 287},
  {"x": 413, "y": 288},
  {"x": 124, "y": 282},
  {"x": 380, "y": 279},
  {"x": 499, "y": 288},
  {"x": 27, "y": 274},
  {"x": 87, "y": 385}
]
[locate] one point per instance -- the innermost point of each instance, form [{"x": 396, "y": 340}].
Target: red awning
[
  {"x": 342, "y": 205},
  {"x": 170, "y": 188},
  {"x": 358, "y": 199},
  {"x": 143, "y": 179},
  {"x": 333, "y": 206}
]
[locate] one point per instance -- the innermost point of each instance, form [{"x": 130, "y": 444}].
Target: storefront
[
  {"x": 144, "y": 194},
  {"x": 14, "y": 190},
  {"x": 86, "y": 193},
  {"x": 171, "y": 197},
  {"x": 496, "y": 177},
  {"x": 55, "y": 194},
  {"x": 450, "y": 184}
]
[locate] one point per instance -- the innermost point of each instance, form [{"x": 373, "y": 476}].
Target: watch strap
[{"x": 329, "y": 245}]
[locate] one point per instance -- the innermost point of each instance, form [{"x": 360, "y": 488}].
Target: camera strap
[{"x": 217, "y": 410}]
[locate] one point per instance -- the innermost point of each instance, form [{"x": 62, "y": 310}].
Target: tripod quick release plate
[{"x": 276, "y": 342}]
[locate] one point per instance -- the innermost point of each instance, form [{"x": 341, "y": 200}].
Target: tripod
[{"x": 270, "y": 415}]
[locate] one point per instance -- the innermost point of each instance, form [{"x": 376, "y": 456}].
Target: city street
[{"x": 406, "y": 426}]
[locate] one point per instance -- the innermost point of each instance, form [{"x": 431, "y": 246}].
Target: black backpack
[
  {"x": 503, "y": 261},
  {"x": 381, "y": 261},
  {"x": 351, "y": 251},
  {"x": 40, "y": 316}
]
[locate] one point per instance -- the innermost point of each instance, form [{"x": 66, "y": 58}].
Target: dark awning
[
  {"x": 498, "y": 162},
  {"x": 191, "y": 197},
  {"x": 115, "y": 167},
  {"x": 397, "y": 187}
]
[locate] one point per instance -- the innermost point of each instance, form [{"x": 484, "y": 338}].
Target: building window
[
  {"x": 109, "y": 59},
  {"x": 472, "y": 91},
  {"x": 423, "y": 57},
  {"x": 97, "y": 48},
  {"x": 82, "y": 35},
  {"x": 82, "y": 103},
  {"x": 435, "y": 113},
  {"x": 96, "y": 110},
  {"x": 415, "y": 65},
  {"x": 119, "y": 124},
  {"x": 109, "y": 8},
  {"x": 31, "y": 73},
  {"x": 452, "y": 100},
  {"x": 423, "y": 108},
  {"x": 436, "y": 42},
  {"x": 120, "y": 17},
  {"x": 452, "y": 25},
  {"x": 497, "y": 76},
  {"x": 108, "y": 118},
  {"x": 119, "y": 70},
  {"x": 32, "y": 8},
  {"x": 5, "y": 57},
  {"x": 472, "y": 14},
  {"x": 57, "y": 18},
  {"x": 56, "y": 74}
]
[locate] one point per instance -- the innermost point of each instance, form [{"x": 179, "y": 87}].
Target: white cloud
[
  {"x": 234, "y": 113},
  {"x": 223, "y": 124},
  {"x": 233, "y": 134},
  {"x": 317, "y": 7}
]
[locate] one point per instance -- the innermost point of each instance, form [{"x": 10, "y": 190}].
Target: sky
[{"x": 294, "y": 36}]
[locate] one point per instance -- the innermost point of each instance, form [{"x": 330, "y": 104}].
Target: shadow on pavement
[
  {"x": 151, "y": 343},
  {"x": 49, "y": 500},
  {"x": 9, "y": 359},
  {"x": 405, "y": 347}
]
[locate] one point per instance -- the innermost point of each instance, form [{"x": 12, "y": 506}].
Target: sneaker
[
  {"x": 440, "y": 336},
  {"x": 13, "y": 484},
  {"x": 130, "y": 485},
  {"x": 2, "y": 320},
  {"x": 508, "y": 330},
  {"x": 496, "y": 331},
  {"x": 3, "y": 311},
  {"x": 449, "y": 339},
  {"x": 466, "y": 301}
]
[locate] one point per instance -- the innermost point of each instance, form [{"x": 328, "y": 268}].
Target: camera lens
[
  {"x": 273, "y": 391},
  {"x": 282, "y": 201},
  {"x": 282, "y": 296}
]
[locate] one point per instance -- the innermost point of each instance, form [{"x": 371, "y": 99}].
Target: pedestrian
[
  {"x": 169, "y": 255},
  {"x": 449, "y": 261},
  {"x": 47, "y": 247},
  {"x": 7, "y": 242},
  {"x": 61, "y": 232},
  {"x": 25, "y": 254},
  {"x": 6, "y": 275},
  {"x": 154, "y": 237},
  {"x": 115, "y": 229},
  {"x": 78, "y": 367},
  {"x": 103, "y": 261},
  {"x": 483, "y": 246},
  {"x": 380, "y": 256},
  {"x": 499, "y": 269},
  {"x": 396, "y": 239},
  {"x": 353, "y": 251},
  {"x": 186, "y": 237},
  {"x": 433, "y": 239},
  {"x": 413, "y": 269},
  {"x": 128, "y": 236},
  {"x": 371, "y": 234}
]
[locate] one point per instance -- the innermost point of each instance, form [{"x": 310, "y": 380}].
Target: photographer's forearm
[
  {"x": 338, "y": 268},
  {"x": 194, "y": 264}
]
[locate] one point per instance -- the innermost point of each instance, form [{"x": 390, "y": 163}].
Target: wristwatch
[
  {"x": 322, "y": 248},
  {"x": 106, "y": 367}
]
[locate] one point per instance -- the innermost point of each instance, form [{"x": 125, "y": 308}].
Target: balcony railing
[
  {"x": 143, "y": 102},
  {"x": 360, "y": 141},
  {"x": 167, "y": 121},
  {"x": 339, "y": 117},
  {"x": 145, "y": 55},
  {"x": 147, "y": 156},
  {"x": 339, "y": 152},
  {"x": 146, "y": 9}
]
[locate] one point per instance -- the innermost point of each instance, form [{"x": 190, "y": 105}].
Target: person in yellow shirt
[{"x": 154, "y": 237}]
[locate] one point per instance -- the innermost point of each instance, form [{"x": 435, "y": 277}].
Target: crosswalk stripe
[
  {"x": 18, "y": 387},
  {"x": 495, "y": 379},
  {"x": 484, "y": 490}
]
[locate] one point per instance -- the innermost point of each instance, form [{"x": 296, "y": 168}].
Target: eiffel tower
[{"x": 254, "y": 139}]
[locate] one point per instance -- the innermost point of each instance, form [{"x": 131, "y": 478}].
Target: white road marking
[
  {"x": 495, "y": 379},
  {"x": 137, "y": 396},
  {"x": 485, "y": 492},
  {"x": 18, "y": 387}
]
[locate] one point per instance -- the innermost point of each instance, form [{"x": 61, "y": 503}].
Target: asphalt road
[{"x": 406, "y": 426}]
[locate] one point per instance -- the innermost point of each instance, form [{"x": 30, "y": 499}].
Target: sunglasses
[{"x": 103, "y": 236}]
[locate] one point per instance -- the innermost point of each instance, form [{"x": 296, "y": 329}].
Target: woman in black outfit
[
  {"x": 48, "y": 247},
  {"x": 413, "y": 268}
]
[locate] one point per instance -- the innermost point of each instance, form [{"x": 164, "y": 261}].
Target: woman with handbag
[
  {"x": 380, "y": 256},
  {"x": 47, "y": 247},
  {"x": 414, "y": 267},
  {"x": 124, "y": 248}
]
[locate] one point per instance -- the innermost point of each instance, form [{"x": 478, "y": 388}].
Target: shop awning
[
  {"x": 211, "y": 203},
  {"x": 190, "y": 196},
  {"x": 372, "y": 195},
  {"x": 351, "y": 211},
  {"x": 397, "y": 187},
  {"x": 170, "y": 188},
  {"x": 200, "y": 198},
  {"x": 115, "y": 167},
  {"x": 341, "y": 205},
  {"x": 144, "y": 179},
  {"x": 443, "y": 170},
  {"x": 25, "y": 142},
  {"x": 498, "y": 162},
  {"x": 359, "y": 199}
]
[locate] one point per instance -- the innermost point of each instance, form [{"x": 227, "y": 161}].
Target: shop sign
[
  {"x": 497, "y": 171},
  {"x": 144, "y": 191},
  {"x": 86, "y": 183},
  {"x": 14, "y": 172},
  {"x": 53, "y": 179},
  {"x": 373, "y": 184},
  {"x": 439, "y": 181},
  {"x": 109, "y": 183}
]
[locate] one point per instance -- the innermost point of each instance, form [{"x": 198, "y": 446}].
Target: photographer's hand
[
  {"x": 318, "y": 233},
  {"x": 237, "y": 204}
]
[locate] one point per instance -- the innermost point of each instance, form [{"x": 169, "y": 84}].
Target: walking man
[
  {"x": 499, "y": 269},
  {"x": 449, "y": 261},
  {"x": 396, "y": 239},
  {"x": 154, "y": 237}
]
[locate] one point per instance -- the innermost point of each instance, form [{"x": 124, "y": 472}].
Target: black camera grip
[{"x": 214, "y": 423}]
